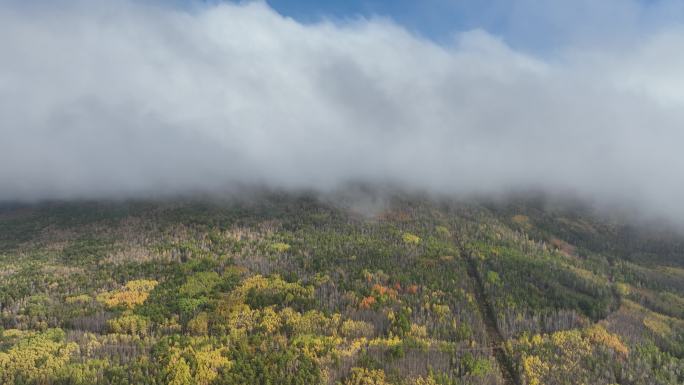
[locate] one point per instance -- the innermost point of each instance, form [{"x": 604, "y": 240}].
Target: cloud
[{"x": 128, "y": 99}]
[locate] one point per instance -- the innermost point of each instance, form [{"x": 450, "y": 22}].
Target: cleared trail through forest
[{"x": 494, "y": 336}]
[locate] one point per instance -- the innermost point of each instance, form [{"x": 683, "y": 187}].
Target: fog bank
[{"x": 128, "y": 99}]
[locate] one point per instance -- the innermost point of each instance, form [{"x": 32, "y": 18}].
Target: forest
[{"x": 295, "y": 288}]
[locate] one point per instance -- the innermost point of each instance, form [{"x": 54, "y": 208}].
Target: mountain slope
[{"x": 301, "y": 289}]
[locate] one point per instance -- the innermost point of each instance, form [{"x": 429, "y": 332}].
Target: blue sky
[
  {"x": 530, "y": 25},
  {"x": 433, "y": 18}
]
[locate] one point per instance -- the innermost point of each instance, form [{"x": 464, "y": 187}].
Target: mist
[{"x": 130, "y": 99}]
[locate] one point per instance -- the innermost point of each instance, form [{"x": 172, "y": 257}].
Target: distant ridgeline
[{"x": 300, "y": 289}]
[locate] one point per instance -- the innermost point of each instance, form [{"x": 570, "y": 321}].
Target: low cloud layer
[{"x": 131, "y": 99}]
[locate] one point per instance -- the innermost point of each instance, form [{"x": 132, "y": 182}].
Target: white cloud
[{"x": 127, "y": 99}]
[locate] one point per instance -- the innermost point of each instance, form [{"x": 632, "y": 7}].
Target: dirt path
[{"x": 494, "y": 337}]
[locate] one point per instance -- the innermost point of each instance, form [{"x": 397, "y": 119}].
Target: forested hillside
[{"x": 302, "y": 289}]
